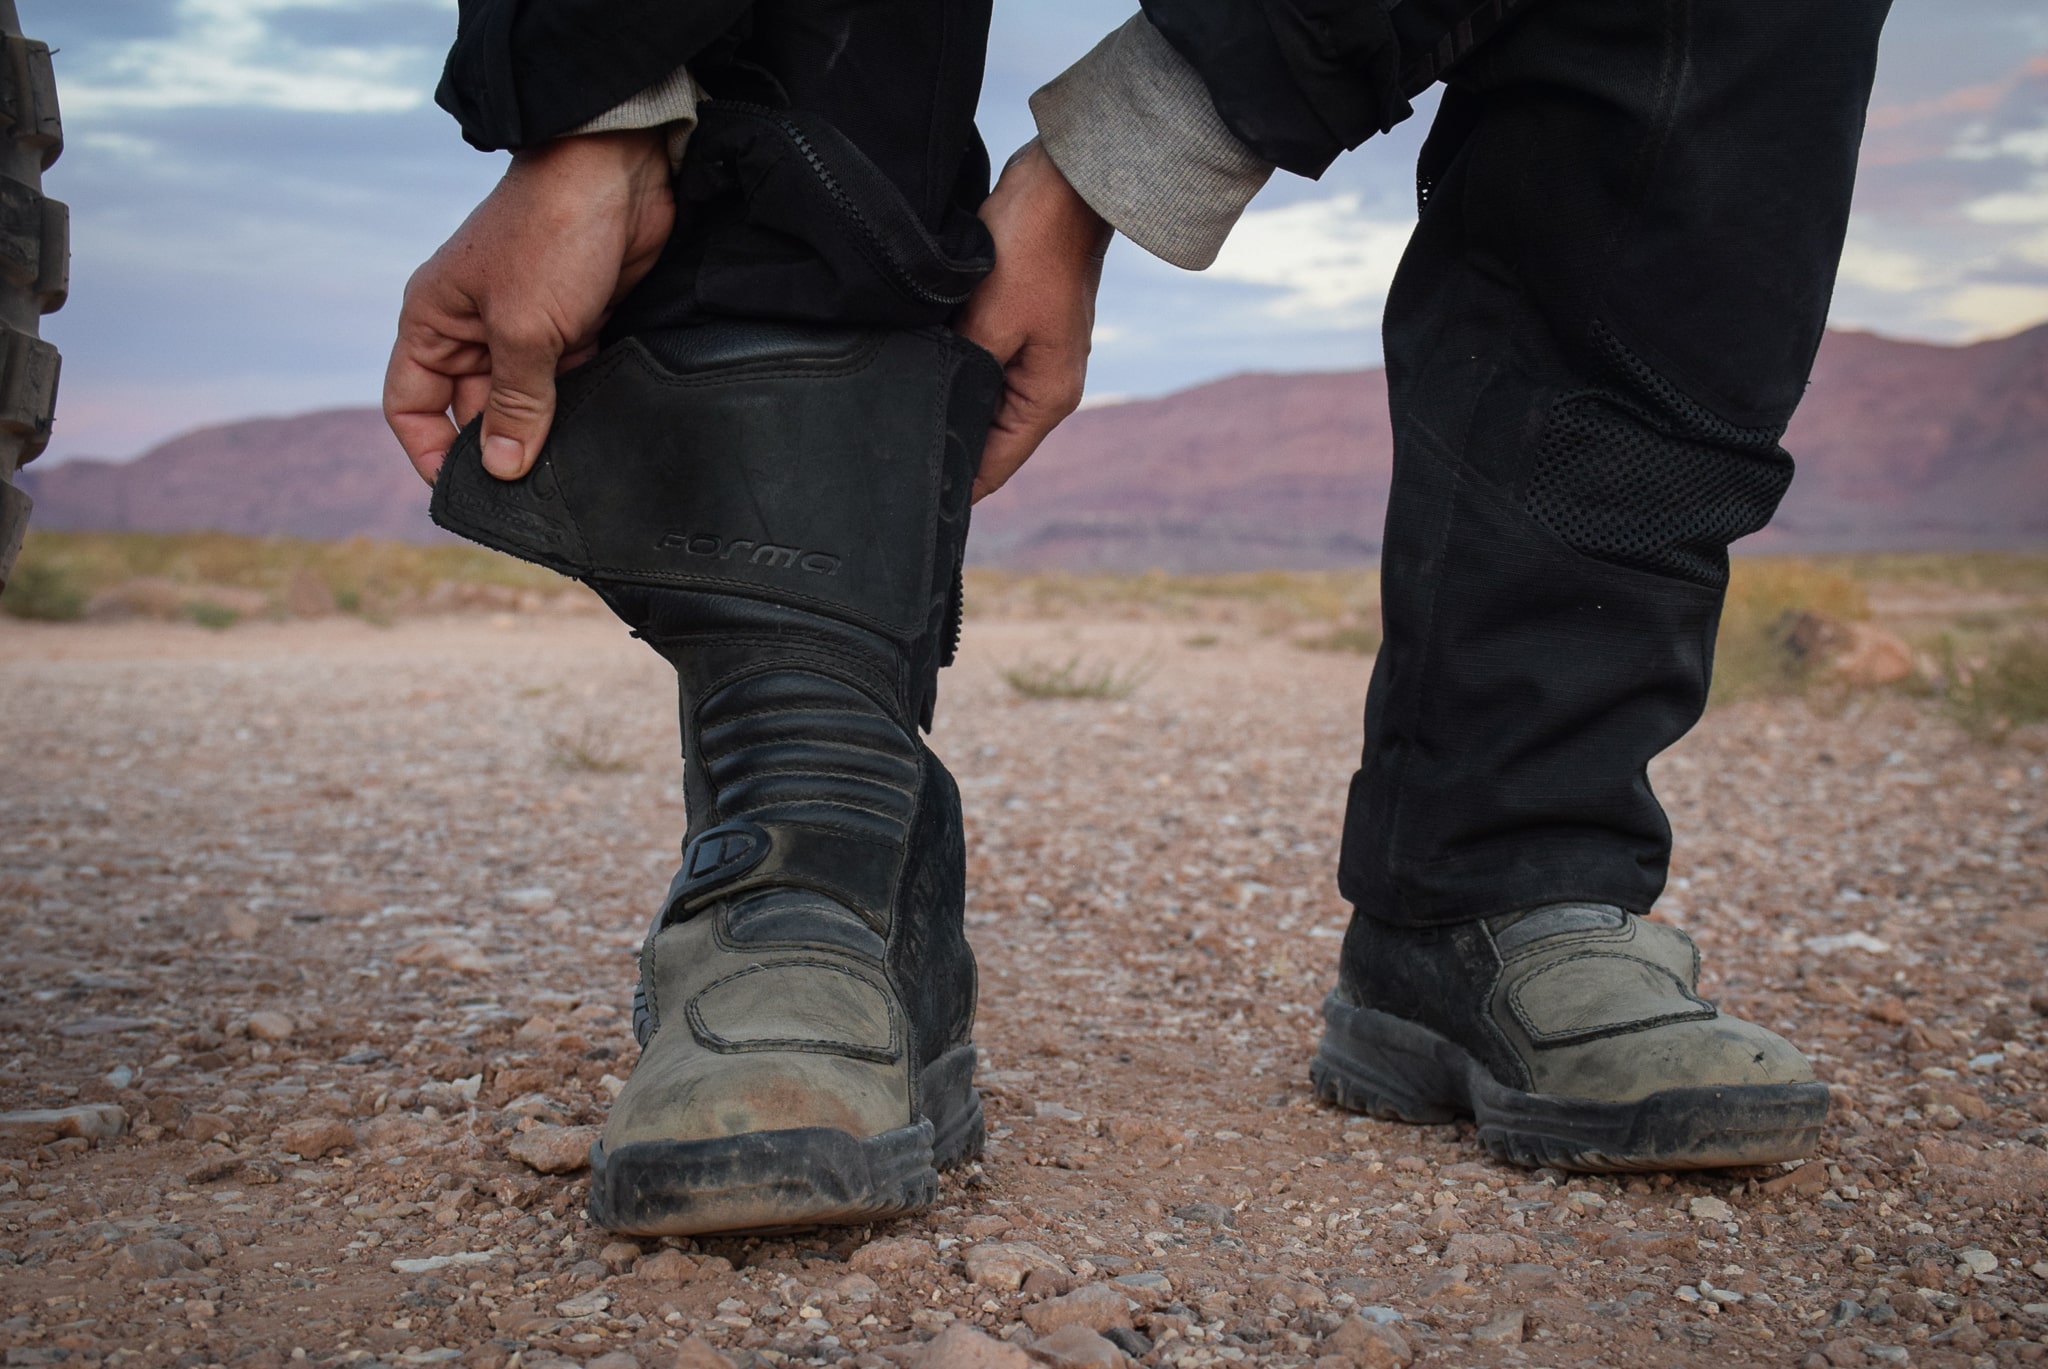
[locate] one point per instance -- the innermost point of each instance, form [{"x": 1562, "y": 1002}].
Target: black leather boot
[
  {"x": 782, "y": 513},
  {"x": 1573, "y": 1034}
]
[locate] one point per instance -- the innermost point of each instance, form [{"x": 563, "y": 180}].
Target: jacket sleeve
[
  {"x": 524, "y": 71},
  {"x": 1133, "y": 130},
  {"x": 1299, "y": 81}
]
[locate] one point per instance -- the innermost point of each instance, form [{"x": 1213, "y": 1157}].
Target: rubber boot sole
[
  {"x": 1389, "y": 1067},
  {"x": 804, "y": 1176}
]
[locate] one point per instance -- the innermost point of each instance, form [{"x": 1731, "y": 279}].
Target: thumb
[{"x": 521, "y": 403}]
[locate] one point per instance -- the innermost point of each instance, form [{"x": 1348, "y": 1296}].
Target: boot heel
[
  {"x": 946, "y": 1089},
  {"x": 1385, "y": 1067}
]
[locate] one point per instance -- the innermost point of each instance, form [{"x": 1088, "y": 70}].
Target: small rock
[
  {"x": 1489, "y": 1247},
  {"x": 316, "y": 1136},
  {"x": 213, "y": 1165},
  {"x": 205, "y": 1126},
  {"x": 1147, "y": 1286},
  {"x": 1077, "y": 1347},
  {"x": 960, "y": 1346},
  {"x": 1454, "y": 1281},
  {"x": 618, "y": 1256},
  {"x": 446, "y": 953},
  {"x": 855, "y": 1288},
  {"x": 1213, "y": 1215},
  {"x": 40, "y": 1126},
  {"x": 666, "y": 1266},
  {"x": 1809, "y": 1180},
  {"x": 1047, "y": 1283},
  {"x": 984, "y": 1225},
  {"x": 1707, "y": 1209},
  {"x": 1003, "y": 1265},
  {"x": 584, "y": 1304},
  {"x": 157, "y": 1259},
  {"x": 1643, "y": 1246},
  {"x": 427, "y": 1264},
  {"x": 553, "y": 1150},
  {"x": 1366, "y": 1345},
  {"x": 1888, "y": 1354},
  {"x": 1096, "y": 1306},
  {"x": 271, "y": 1026},
  {"x": 1132, "y": 1342},
  {"x": 615, "y": 1359},
  {"x": 1978, "y": 1261},
  {"x": 1503, "y": 1329},
  {"x": 902, "y": 1252},
  {"x": 698, "y": 1353}
]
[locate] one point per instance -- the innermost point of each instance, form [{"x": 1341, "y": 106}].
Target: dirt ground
[{"x": 341, "y": 920}]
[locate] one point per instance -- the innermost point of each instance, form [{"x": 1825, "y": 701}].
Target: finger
[
  {"x": 470, "y": 394},
  {"x": 521, "y": 403},
  {"x": 416, "y": 399},
  {"x": 1031, "y": 409}
]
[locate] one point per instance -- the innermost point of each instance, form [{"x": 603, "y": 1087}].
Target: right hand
[{"x": 520, "y": 294}]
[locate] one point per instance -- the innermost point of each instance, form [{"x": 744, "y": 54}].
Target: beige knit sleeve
[
  {"x": 669, "y": 103},
  {"x": 1132, "y": 128}
]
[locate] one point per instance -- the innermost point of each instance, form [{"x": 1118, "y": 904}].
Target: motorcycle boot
[
  {"x": 1574, "y": 1035},
  {"x": 780, "y": 511}
]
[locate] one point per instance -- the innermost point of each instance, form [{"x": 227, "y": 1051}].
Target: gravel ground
[{"x": 320, "y": 938}]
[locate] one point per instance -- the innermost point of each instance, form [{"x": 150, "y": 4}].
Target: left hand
[{"x": 1036, "y": 310}]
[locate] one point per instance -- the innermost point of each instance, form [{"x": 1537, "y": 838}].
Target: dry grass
[
  {"x": 593, "y": 748},
  {"x": 60, "y": 573},
  {"x": 1075, "y": 678}
]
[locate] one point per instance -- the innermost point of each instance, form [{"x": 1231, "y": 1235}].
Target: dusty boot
[
  {"x": 782, "y": 514},
  {"x": 1572, "y": 1034}
]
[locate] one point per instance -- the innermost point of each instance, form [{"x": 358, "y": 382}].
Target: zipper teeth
[{"x": 846, "y": 203}]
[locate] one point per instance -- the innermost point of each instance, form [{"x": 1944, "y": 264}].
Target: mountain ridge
[{"x": 1901, "y": 445}]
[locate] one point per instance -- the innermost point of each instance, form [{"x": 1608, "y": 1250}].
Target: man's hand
[
  {"x": 1036, "y": 310},
  {"x": 520, "y": 293}
]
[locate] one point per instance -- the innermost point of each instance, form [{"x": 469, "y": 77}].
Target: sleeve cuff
[
  {"x": 670, "y": 103},
  {"x": 1134, "y": 131}
]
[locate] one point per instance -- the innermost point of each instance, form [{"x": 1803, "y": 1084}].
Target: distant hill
[{"x": 1900, "y": 445}]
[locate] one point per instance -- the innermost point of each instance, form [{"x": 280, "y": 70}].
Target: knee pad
[
  {"x": 821, "y": 469},
  {"x": 1636, "y": 472}
]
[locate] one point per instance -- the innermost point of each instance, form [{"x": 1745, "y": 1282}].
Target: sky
[{"x": 251, "y": 182}]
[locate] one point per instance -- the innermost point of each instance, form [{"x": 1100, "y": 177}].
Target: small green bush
[
  {"x": 1361, "y": 641},
  {"x": 206, "y": 613},
  {"x": 46, "y": 593},
  {"x": 1074, "y": 679},
  {"x": 2006, "y": 689}
]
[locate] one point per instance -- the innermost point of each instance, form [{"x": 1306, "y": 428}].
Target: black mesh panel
[{"x": 1638, "y": 473}]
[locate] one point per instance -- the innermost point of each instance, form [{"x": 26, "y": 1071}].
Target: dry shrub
[
  {"x": 2007, "y": 687},
  {"x": 1754, "y": 653},
  {"x": 45, "y": 593},
  {"x": 1075, "y": 679}
]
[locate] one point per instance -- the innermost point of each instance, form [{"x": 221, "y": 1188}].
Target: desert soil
[{"x": 341, "y": 921}]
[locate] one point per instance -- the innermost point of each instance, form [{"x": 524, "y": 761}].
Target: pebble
[
  {"x": 446, "y": 953},
  {"x": 553, "y": 1150},
  {"x": 1366, "y": 1345},
  {"x": 1502, "y": 1329},
  {"x": 584, "y": 1304},
  {"x": 271, "y": 1026},
  {"x": 615, "y": 1359},
  {"x": 1077, "y": 1347},
  {"x": 40, "y": 1126},
  {"x": 315, "y": 1137},
  {"x": 1096, "y": 1306},
  {"x": 1706, "y": 1209},
  {"x": 665, "y": 1266},
  {"x": 903, "y": 1252},
  {"x": 1003, "y": 1265},
  {"x": 1977, "y": 1261},
  {"x": 698, "y": 1353},
  {"x": 1213, "y": 1215},
  {"x": 427, "y": 1264},
  {"x": 960, "y": 1346},
  {"x": 157, "y": 1259},
  {"x": 618, "y": 1256}
]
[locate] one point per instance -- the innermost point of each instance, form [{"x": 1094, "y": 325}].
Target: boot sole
[
  {"x": 804, "y": 1176},
  {"x": 1391, "y": 1068}
]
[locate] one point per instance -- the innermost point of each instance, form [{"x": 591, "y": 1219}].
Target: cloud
[
  {"x": 1329, "y": 258},
  {"x": 1882, "y": 268},
  {"x": 1992, "y": 310},
  {"x": 243, "y": 54}
]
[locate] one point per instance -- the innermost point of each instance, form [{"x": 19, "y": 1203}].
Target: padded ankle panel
[{"x": 836, "y": 480}]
